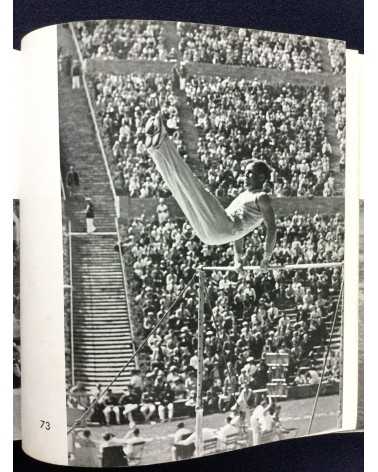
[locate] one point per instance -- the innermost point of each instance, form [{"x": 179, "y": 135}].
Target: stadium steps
[
  {"x": 79, "y": 147},
  {"x": 189, "y": 131},
  {"x": 102, "y": 337}
]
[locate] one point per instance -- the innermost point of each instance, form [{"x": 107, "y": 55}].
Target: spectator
[
  {"x": 111, "y": 457},
  {"x": 79, "y": 396},
  {"x": 227, "y": 430},
  {"x": 75, "y": 74},
  {"x": 72, "y": 181},
  {"x": 110, "y": 402},
  {"x": 181, "y": 434},
  {"x": 148, "y": 407},
  {"x": 89, "y": 215},
  {"x": 136, "y": 381},
  {"x": 133, "y": 440},
  {"x": 86, "y": 454},
  {"x": 166, "y": 396},
  {"x": 127, "y": 403},
  {"x": 162, "y": 211}
]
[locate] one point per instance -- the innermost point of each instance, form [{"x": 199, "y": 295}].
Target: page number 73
[{"x": 45, "y": 425}]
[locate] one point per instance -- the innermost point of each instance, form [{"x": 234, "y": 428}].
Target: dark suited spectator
[
  {"x": 166, "y": 398},
  {"x": 72, "y": 181}
]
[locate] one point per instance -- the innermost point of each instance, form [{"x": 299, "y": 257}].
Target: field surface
[{"x": 295, "y": 414}]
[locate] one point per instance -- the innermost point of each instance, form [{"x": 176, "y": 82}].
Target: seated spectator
[
  {"x": 79, "y": 396},
  {"x": 109, "y": 401},
  {"x": 227, "y": 430},
  {"x": 111, "y": 451},
  {"x": 148, "y": 407},
  {"x": 313, "y": 376},
  {"x": 181, "y": 434},
  {"x": 86, "y": 454},
  {"x": 133, "y": 440},
  {"x": 136, "y": 381},
  {"x": 128, "y": 402}
]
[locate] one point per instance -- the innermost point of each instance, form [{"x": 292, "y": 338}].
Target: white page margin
[{"x": 42, "y": 317}]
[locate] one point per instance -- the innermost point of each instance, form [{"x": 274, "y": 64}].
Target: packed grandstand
[{"x": 219, "y": 121}]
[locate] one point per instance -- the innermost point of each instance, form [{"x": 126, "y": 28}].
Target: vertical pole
[{"x": 199, "y": 405}]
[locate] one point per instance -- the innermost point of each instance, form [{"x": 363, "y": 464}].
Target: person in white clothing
[
  {"x": 257, "y": 420},
  {"x": 89, "y": 215},
  {"x": 212, "y": 223},
  {"x": 227, "y": 430}
]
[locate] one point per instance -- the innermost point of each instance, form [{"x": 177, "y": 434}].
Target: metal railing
[
  {"x": 62, "y": 189},
  {"x": 126, "y": 287},
  {"x": 93, "y": 116}
]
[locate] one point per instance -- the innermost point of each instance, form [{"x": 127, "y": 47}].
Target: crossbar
[{"x": 320, "y": 265}]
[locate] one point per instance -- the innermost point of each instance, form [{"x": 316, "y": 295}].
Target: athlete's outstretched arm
[{"x": 266, "y": 209}]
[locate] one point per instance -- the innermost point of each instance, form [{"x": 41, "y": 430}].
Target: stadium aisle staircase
[
  {"x": 101, "y": 327},
  {"x": 80, "y": 148},
  {"x": 102, "y": 334}
]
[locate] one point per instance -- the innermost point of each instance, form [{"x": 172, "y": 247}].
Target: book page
[
  {"x": 351, "y": 328},
  {"x": 16, "y": 110},
  {"x": 42, "y": 322},
  {"x": 149, "y": 335}
]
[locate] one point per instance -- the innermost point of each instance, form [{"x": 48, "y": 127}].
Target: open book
[{"x": 189, "y": 240}]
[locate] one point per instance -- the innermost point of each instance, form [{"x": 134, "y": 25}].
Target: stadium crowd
[
  {"x": 285, "y": 125},
  {"x": 336, "y": 51},
  {"x": 245, "y": 47},
  {"x": 247, "y": 315},
  {"x": 124, "y": 103},
  {"x": 338, "y": 100},
  {"x": 282, "y": 124},
  {"x": 121, "y": 39}
]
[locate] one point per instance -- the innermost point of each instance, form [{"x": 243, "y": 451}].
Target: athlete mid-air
[{"x": 212, "y": 223}]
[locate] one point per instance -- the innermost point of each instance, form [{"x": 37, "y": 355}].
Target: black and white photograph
[
  {"x": 16, "y": 323},
  {"x": 203, "y": 181}
]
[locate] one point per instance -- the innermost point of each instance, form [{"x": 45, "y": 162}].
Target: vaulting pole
[{"x": 199, "y": 402}]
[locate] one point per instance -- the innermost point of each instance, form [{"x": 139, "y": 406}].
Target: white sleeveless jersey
[{"x": 245, "y": 213}]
